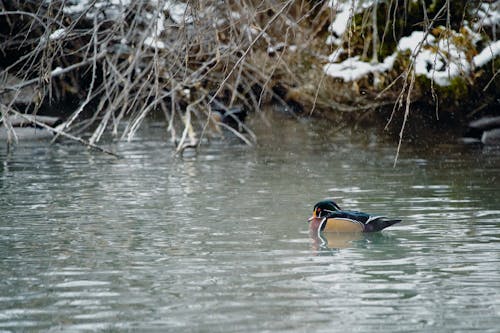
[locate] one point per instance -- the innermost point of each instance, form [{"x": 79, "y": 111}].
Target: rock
[
  {"x": 491, "y": 137},
  {"x": 485, "y": 130}
]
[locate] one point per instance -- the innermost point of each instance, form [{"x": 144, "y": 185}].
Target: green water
[{"x": 218, "y": 241}]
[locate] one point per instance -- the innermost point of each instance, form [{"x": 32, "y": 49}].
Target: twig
[
  {"x": 410, "y": 71},
  {"x": 243, "y": 56},
  {"x": 407, "y": 112}
]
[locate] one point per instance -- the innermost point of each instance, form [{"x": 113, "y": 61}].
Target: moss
[
  {"x": 457, "y": 91},
  {"x": 395, "y": 20},
  {"x": 455, "y": 96},
  {"x": 457, "y": 10}
]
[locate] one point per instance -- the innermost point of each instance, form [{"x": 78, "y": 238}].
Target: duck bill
[{"x": 312, "y": 217}]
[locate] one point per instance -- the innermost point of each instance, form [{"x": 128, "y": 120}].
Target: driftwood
[
  {"x": 47, "y": 123},
  {"x": 23, "y": 119}
]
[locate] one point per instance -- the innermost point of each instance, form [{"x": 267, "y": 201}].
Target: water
[{"x": 218, "y": 241}]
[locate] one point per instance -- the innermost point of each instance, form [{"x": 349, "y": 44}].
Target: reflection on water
[
  {"x": 219, "y": 241},
  {"x": 334, "y": 240}
]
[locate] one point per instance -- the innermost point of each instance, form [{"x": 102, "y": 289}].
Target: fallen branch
[
  {"x": 62, "y": 133},
  {"x": 54, "y": 73}
]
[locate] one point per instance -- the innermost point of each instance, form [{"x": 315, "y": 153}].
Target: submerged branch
[{"x": 60, "y": 132}]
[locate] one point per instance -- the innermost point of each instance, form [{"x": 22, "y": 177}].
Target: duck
[{"x": 329, "y": 217}]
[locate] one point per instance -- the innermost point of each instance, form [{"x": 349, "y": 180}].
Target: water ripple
[{"x": 218, "y": 241}]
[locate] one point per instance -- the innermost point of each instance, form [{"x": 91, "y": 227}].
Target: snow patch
[
  {"x": 488, "y": 15},
  {"x": 414, "y": 41},
  {"x": 159, "y": 24},
  {"x": 76, "y": 8},
  {"x": 154, "y": 43},
  {"x": 56, "y": 71},
  {"x": 58, "y": 34},
  {"x": 339, "y": 25},
  {"x": 439, "y": 60},
  {"x": 431, "y": 64},
  {"x": 353, "y": 69},
  {"x": 490, "y": 52},
  {"x": 179, "y": 12}
]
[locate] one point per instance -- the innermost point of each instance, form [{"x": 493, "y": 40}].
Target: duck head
[{"x": 323, "y": 208}]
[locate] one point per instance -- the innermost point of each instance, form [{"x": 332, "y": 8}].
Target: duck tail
[{"x": 379, "y": 224}]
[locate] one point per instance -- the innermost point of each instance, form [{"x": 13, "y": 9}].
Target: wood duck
[{"x": 329, "y": 217}]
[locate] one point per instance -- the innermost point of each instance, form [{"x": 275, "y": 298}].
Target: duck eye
[{"x": 318, "y": 212}]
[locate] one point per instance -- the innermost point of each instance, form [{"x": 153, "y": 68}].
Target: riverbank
[{"x": 367, "y": 62}]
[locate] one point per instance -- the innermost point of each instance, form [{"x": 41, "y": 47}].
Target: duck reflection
[{"x": 331, "y": 240}]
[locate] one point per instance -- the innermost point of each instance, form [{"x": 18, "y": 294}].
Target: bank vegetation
[{"x": 104, "y": 66}]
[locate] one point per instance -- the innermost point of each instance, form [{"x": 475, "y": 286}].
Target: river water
[{"x": 218, "y": 241}]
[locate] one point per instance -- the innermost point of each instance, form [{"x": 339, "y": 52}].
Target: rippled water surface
[{"x": 218, "y": 241}]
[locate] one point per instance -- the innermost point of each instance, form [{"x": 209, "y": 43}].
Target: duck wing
[
  {"x": 371, "y": 223},
  {"x": 351, "y": 215},
  {"x": 377, "y": 223}
]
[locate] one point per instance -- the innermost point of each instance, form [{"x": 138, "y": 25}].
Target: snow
[
  {"x": 344, "y": 10},
  {"x": 102, "y": 7},
  {"x": 159, "y": 24},
  {"x": 488, "y": 15},
  {"x": 179, "y": 12},
  {"x": 271, "y": 49},
  {"x": 350, "y": 69},
  {"x": 339, "y": 25},
  {"x": 433, "y": 67},
  {"x": 57, "y": 34},
  {"x": 413, "y": 41},
  {"x": 235, "y": 15},
  {"x": 490, "y": 52},
  {"x": 437, "y": 59},
  {"x": 432, "y": 64},
  {"x": 57, "y": 71},
  {"x": 334, "y": 57},
  {"x": 120, "y": 2},
  {"x": 154, "y": 43},
  {"x": 76, "y": 8},
  {"x": 353, "y": 69}
]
